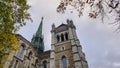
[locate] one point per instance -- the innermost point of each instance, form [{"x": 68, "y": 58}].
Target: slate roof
[{"x": 61, "y": 28}]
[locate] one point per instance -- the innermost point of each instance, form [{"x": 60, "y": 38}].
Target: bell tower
[{"x": 66, "y": 51}]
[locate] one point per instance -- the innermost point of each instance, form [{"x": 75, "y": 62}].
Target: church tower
[
  {"x": 66, "y": 51},
  {"x": 37, "y": 40}
]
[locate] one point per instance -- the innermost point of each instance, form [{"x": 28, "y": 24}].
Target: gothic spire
[
  {"x": 39, "y": 31},
  {"x": 37, "y": 40}
]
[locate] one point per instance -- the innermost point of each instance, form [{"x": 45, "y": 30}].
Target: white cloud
[{"x": 116, "y": 64}]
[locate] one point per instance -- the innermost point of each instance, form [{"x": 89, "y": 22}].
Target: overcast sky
[{"x": 99, "y": 41}]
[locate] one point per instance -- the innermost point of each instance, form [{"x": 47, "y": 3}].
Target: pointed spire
[
  {"x": 39, "y": 31},
  {"x": 37, "y": 40}
]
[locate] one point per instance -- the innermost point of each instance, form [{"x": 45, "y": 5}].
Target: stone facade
[
  {"x": 22, "y": 59},
  {"x": 66, "y": 43},
  {"x": 66, "y": 51}
]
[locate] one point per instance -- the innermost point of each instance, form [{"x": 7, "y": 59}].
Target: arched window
[
  {"x": 58, "y": 38},
  {"x": 62, "y": 37},
  {"x": 64, "y": 62},
  {"x": 29, "y": 55},
  {"x": 66, "y": 36},
  {"x": 44, "y": 64},
  {"x": 21, "y": 51}
]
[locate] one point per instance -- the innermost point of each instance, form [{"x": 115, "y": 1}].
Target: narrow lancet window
[
  {"x": 21, "y": 51},
  {"x": 64, "y": 62},
  {"x": 30, "y": 55},
  {"x": 62, "y": 37},
  {"x": 66, "y": 36},
  {"x": 44, "y": 64},
  {"x": 58, "y": 38}
]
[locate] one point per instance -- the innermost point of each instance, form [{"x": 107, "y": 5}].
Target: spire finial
[{"x": 42, "y": 18}]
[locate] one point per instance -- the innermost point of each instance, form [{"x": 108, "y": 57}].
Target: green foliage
[{"x": 13, "y": 14}]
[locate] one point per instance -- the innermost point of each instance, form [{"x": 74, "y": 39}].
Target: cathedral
[{"x": 66, "y": 51}]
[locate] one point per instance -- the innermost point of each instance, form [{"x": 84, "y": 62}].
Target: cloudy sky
[{"x": 99, "y": 41}]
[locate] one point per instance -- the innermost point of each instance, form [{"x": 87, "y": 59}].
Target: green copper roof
[
  {"x": 39, "y": 31},
  {"x": 37, "y": 40}
]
